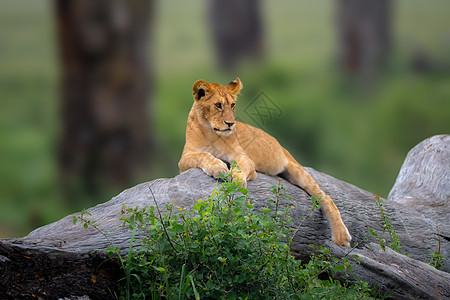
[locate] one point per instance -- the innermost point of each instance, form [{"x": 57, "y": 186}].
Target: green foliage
[
  {"x": 436, "y": 259},
  {"x": 316, "y": 205},
  {"x": 395, "y": 243},
  {"x": 224, "y": 248},
  {"x": 89, "y": 223}
]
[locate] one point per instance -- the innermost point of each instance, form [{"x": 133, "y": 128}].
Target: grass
[{"x": 359, "y": 137}]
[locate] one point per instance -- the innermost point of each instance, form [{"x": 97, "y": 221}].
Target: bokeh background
[{"x": 95, "y": 95}]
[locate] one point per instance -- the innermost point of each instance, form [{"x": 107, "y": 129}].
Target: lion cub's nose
[{"x": 229, "y": 123}]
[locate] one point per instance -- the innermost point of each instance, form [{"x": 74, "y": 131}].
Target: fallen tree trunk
[
  {"x": 395, "y": 274},
  {"x": 59, "y": 260}
]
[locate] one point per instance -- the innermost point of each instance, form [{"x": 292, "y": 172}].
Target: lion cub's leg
[
  {"x": 296, "y": 174},
  {"x": 204, "y": 160},
  {"x": 247, "y": 170}
]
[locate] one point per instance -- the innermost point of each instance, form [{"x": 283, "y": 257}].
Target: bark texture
[
  {"x": 237, "y": 31},
  {"x": 424, "y": 181},
  {"x": 364, "y": 35},
  {"x": 64, "y": 252},
  {"x": 105, "y": 88}
]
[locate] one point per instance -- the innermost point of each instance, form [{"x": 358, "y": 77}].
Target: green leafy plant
[
  {"x": 395, "y": 243},
  {"x": 224, "y": 248},
  {"x": 90, "y": 223},
  {"x": 436, "y": 257}
]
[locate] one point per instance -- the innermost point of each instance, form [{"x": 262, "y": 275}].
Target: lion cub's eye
[
  {"x": 233, "y": 105},
  {"x": 218, "y": 105}
]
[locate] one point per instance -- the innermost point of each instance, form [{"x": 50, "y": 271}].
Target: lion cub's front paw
[
  {"x": 215, "y": 169},
  {"x": 341, "y": 236}
]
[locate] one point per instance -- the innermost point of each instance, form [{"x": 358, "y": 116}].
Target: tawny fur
[{"x": 213, "y": 137}]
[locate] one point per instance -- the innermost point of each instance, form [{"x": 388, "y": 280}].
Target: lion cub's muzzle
[{"x": 226, "y": 130}]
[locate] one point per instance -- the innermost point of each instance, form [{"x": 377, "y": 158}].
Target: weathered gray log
[
  {"x": 391, "y": 272},
  {"x": 424, "y": 182},
  {"x": 59, "y": 250}
]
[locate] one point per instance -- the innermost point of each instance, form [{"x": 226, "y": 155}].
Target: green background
[{"x": 357, "y": 134}]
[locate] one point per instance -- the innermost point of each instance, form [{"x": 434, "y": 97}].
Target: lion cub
[{"x": 213, "y": 136}]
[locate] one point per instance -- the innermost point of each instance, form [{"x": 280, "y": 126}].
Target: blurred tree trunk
[
  {"x": 105, "y": 85},
  {"x": 364, "y": 35},
  {"x": 237, "y": 31}
]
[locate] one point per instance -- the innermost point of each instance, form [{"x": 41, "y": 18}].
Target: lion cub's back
[{"x": 263, "y": 149}]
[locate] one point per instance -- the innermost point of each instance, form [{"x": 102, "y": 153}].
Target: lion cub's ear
[
  {"x": 200, "y": 89},
  {"x": 235, "y": 86}
]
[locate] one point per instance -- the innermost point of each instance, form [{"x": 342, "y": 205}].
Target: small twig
[
  {"x": 277, "y": 198},
  {"x": 95, "y": 226},
  {"x": 311, "y": 210},
  {"x": 340, "y": 260},
  {"x": 439, "y": 238},
  {"x": 161, "y": 220},
  {"x": 289, "y": 280},
  {"x": 351, "y": 250}
]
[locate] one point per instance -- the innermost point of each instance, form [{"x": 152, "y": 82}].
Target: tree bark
[
  {"x": 364, "y": 35},
  {"x": 237, "y": 31},
  {"x": 61, "y": 250},
  {"x": 391, "y": 272},
  {"x": 105, "y": 86}
]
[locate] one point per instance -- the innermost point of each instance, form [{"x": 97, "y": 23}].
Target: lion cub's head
[{"x": 215, "y": 104}]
